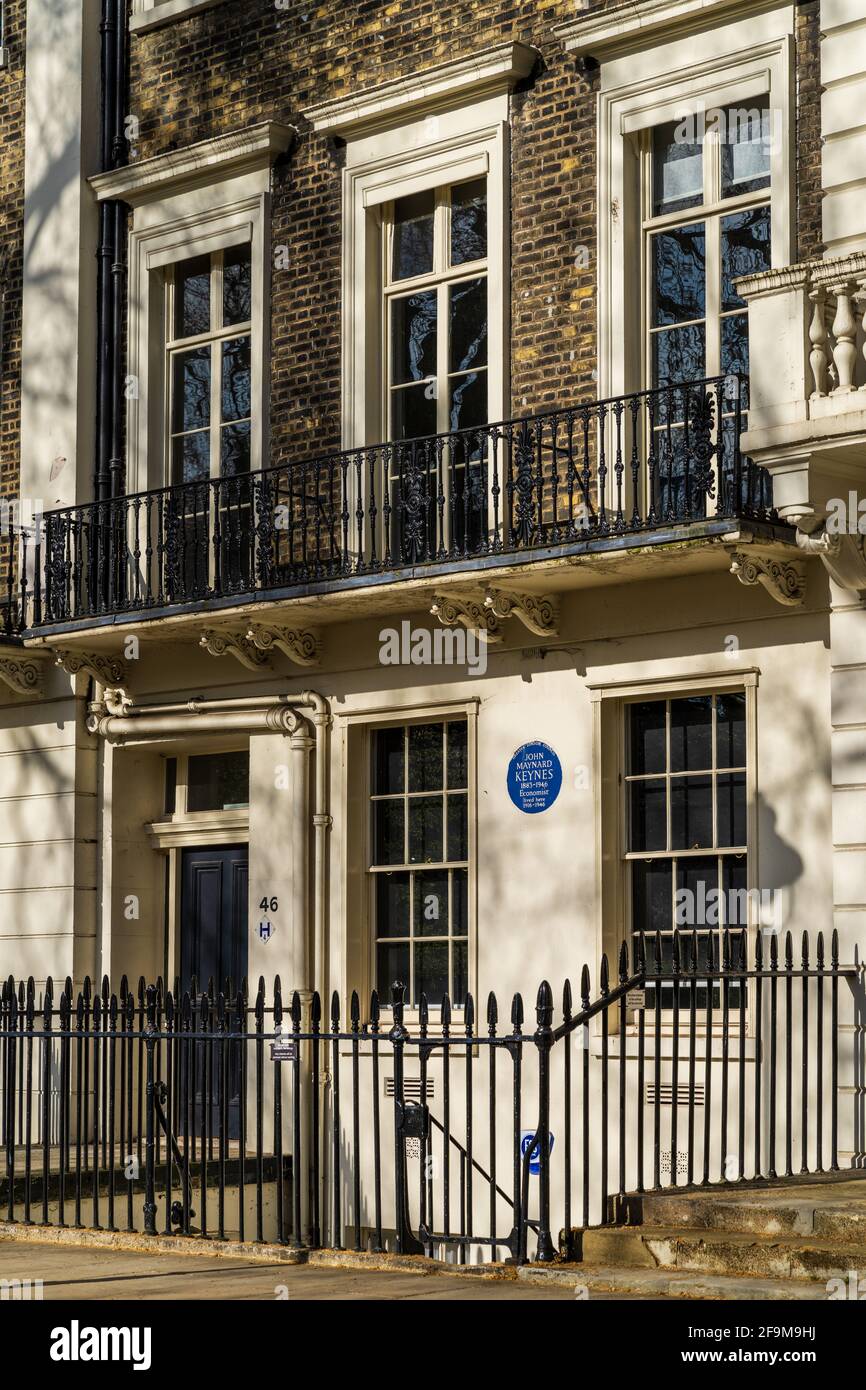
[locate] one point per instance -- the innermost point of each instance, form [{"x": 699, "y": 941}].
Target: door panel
[{"x": 214, "y": 915}]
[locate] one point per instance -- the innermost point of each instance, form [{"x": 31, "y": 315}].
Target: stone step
[
  {"x": 790, "y": 1213},
  {"x": 587, "y": 1280},
  {"x": 723, "y": 1252}
]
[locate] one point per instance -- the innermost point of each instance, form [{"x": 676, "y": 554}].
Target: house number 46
[{"x": 268, "y": 904}]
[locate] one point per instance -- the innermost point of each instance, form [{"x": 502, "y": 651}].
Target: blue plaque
[{"x": 534, "y": 778}]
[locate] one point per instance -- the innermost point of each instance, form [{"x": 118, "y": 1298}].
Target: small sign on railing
[
  {"x": 282, "y": 1050},
  {"x": 635, "y": 999}
]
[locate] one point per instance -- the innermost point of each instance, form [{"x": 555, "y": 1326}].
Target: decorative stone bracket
[
  {"x": 539, "y": 614},
  {"x": 234, "y": 644},
  {"x": 842, "y": 556},
  {"x": 108, "y": 671},
  {"x": 299, "y": 645},
  {"x": 21, "y": 672},
  {"x": 784, "y": 580},
  {"x": 452, "y": 609}
]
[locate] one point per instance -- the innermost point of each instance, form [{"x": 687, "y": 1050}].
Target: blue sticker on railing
[
  {"x": 534, "y": 778},
  {"x": 535, "y": 1160}
]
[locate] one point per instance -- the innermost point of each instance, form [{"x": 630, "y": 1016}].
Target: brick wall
[
  {"x": 11, "y": 238},
  {"x": 246, "y": 61},
  {"x": 809, "y": 193}
]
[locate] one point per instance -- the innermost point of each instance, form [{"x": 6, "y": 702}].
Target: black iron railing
[
  {"x": 192, "y": 1112},
  {"x": 593, "y": 472}
]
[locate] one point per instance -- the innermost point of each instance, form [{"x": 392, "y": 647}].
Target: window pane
[
  {"x": 413, "y": 337},
  {"x": 235, "y": 456},
  {"x": 235, "y": 386},
  {"x": 392, "y": 966},
  {"x": 745, "y": 250},
  {"x": 218, "y": 781},
  {"x": 468, "y": 321},
  {"x": 652, "y": 902},
  {"x": 731, "y": 796},
  {"x": 191, "y": 460},
  {"x": 170, "y": 786},
  {"x": 678, "y": 177},
  {"x": 459, "y": 902},
  {"x": 431, "y": 971},
  {"x": 746, "y": 142},
  {"x": 458, "y": 836},
  {"x": 457, "y": 764},
  {"x": 735, "y": 344},
  {"x": 691, "y": 812},
  {"x": 425, "y": 757},
  {"x": 679, "y": 275},
  {"x": 697, "y": 879},
  {"x": 647, "y": 737},
  {"x": 734, "y": 878},
  {"x": 425, "y": 830},
  {"x": 392, "y": 904},
  {"x": 648, "y": 820},
  {"x": 731, "y": 730},
  {"x": 469, "y": 222},
  {"x": 468, "y": 405},
  {"x": 431, "y": 904},
  {"x": 387, "y": 761},
  {"x": 679, "y": 354},
  {"x": 237, "y": 285},
  {"x": 192, "y": 297},
  {"x": 413, "y": 236},
  {"x": 190, "y": 403},
  {"x": 413, "y": 413},
  {"x": 692, "y": 734},
  {"x": 460, "y": 959},
  {"x": 388, "y": 823}
]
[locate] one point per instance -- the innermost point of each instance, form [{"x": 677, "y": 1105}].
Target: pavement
[{"x": 84, "y": 1274}]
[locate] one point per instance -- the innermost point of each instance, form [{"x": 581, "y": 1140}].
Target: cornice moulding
[
  {"x": 602, "y": 33},
  {"x": 240, "y": 151},
  {"x": 482, "y": 74}
]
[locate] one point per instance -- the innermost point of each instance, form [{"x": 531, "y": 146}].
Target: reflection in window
[
  {"x": 419, "y": 861},
  {"x": 210, "y": 402},
  {"x": 437, "y": 332},
  {"x": 218, "y": 782}
]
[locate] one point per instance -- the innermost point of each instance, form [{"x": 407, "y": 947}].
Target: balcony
[{"x": 653, "y": 468}]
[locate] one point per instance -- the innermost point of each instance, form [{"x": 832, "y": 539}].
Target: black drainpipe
[{"x": 108, "y": 478}]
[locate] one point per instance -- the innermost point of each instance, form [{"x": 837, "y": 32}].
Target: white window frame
[
  {"x": 609, "y": 703},
  {"x": 646, "y": 89},
  {"x": 711, "y": 211},
  {"x": 190, "y": 202},
  {"x": 356, "y": 880},
  {"x": 213, "y": 338},
  {"x": 368, "y": 189},
  {"x": 153, "y": 250},
  {"x": 151, "y": 14},
  {"x": 439, "y": 279}
]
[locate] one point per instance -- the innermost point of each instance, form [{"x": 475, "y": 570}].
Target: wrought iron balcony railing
[{"x": 588, "y": 474}]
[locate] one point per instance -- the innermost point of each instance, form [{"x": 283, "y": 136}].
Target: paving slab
[{"x": 72, "y": 1273}]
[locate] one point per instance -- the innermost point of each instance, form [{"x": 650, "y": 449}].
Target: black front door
[
  {"x": 213, "y": 938},
  {"x": 214, "y": 908}
]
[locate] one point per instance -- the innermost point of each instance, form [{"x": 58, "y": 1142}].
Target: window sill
[{"x": 155, "y": 16}]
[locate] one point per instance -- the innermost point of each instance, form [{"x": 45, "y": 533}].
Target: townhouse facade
[{"x": 432, "y": 448}]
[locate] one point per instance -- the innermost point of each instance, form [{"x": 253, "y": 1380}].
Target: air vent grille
[
  {"x": 666, "y": 1094},
  {"x": 411, "y": 1088}
]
